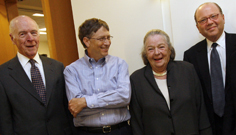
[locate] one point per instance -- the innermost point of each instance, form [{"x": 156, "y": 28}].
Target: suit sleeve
[
  {"x": 5, "y": 113},
  {"x": 229, "y": 115},
  {"x": 186, "y": 57},
  {"x": 204, "y": 125},
  {"x": 136, "y": 113},
  {"x": 65, "y": 101}
]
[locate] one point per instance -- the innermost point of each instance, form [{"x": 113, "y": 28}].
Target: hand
[{"x": 76, "y": 105}]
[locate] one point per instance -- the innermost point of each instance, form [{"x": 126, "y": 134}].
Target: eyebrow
[
  {"x": 22, "y": 32},
  {"x": 209, "y": 15},
  {"x": 26, "y": 31},
  {"x": 104, "y": 36}
]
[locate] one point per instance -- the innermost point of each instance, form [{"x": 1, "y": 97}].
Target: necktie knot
[
  {"x": 214, "y": 45},
  {"x": 32, "y": 62}
]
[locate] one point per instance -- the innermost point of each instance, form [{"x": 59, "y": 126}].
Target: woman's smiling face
[{"x": 158, "y": 52}]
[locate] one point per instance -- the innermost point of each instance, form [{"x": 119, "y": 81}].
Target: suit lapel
[
  {"x": 19, "y": 75},
  {"x": 230, "y": 44},
  {"x": 150, "y": 77},
  {"x": 49, "y": 76},
  {"x": 171, "y": 82},
  {"x": 202, "y": 61}
]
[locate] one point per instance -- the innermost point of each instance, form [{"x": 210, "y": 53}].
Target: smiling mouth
[
  {"x": 30, "y": 46},
  {"x": 104, "y": 48},
  {"x": 158, "y": 59},
  {"x": 211, "y": 28}
]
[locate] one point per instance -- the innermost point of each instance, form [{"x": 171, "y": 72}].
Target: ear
[
  {"x": 223, "y": 18},
  {"x": 198, "y": 28},
  {"x": 12, "y": 38},
  {"x": 86, "y": 41}
]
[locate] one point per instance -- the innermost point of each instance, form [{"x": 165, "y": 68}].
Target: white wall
[
  {"x": 130, "y": 20},
  {"x": 185, "y": 32}
]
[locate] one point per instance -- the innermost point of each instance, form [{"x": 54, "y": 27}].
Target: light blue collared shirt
[{"x": 105, "y": 85}]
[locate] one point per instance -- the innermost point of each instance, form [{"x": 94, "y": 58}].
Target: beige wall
[
  {"x": 129, "y": 20},
  {"x": 43, "y": 48}
]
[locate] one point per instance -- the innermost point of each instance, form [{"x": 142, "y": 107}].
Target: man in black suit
[
  {"x": 210, "y": 21},
  {"x": 229, "y": 124},
  {"x": 23, "y": 110}
]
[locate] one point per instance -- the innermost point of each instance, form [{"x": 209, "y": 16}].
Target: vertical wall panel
[
  {"x": 7, "y": 49},
  {"x": 60, "y": 30}
]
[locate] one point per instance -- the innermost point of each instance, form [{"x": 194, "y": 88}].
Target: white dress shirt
[
  {"x": 24, "y": 61},
  {"x": 221, "y": 51}
]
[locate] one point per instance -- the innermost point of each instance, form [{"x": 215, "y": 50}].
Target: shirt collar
[
  {"x": 220, "y": 42},
  {"x": 24, "y": 60},
  {"x": 101, "y": 61}
]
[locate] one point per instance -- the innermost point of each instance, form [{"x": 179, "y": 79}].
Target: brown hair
[{"x": 89, "y": 27}]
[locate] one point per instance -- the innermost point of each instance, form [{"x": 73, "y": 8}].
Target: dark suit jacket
[
  {"x": 22, "y": 110},
  {"x": 230, "y": 108},
  {"x": 150, "y": 114},
  {"x": 197, "y": 55}
]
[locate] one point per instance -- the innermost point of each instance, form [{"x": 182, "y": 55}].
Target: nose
[
  {"x": 156, "y": 51},
  {"x": 107, "y": 41},
  {"x": 29, "y": 37},
  {"x": 209, "y": 21}
]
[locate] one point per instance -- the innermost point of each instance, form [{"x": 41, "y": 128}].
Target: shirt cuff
[{"x": 91, "y": 101}]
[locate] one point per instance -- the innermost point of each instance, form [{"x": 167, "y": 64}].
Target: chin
[{"x": 105, "y": 54}]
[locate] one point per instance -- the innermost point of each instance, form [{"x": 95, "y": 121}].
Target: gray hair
[{"x": 157, "y": 32}]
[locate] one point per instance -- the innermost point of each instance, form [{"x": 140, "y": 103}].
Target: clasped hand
[{"x": 76, "y": 105}]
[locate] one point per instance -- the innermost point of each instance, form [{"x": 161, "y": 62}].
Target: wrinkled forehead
[{"x": 24, "y": 24}]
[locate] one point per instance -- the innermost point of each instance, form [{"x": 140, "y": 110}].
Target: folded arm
[{"x": 113, "y": 97}]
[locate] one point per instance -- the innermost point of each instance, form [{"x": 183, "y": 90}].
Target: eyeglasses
[
  {"x": 103, "y": 39},
  {"x": 212, "y": 17}
]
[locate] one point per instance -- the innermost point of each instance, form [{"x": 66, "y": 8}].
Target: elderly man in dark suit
[
  {"x": 32, "y": 89},
  {"x": 210, "y": 58}
]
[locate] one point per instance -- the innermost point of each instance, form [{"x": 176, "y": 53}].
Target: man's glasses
[
  {"x": 212, "y": 17},
  {"x": 103, "y": 39}
]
